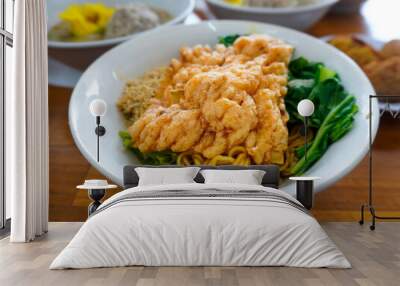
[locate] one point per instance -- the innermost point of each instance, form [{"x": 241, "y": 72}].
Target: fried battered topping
[{"x": 212, "y": 100}]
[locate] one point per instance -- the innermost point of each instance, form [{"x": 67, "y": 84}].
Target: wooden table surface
[{"x": 378, "y": 19}]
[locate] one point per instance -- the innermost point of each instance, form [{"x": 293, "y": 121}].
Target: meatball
[{"x": 131, "y": 19}]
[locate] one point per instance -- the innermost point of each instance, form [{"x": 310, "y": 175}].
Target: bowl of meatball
[
  {"x": 79, "y": 31},
  {"x": 295, "y": 14}
]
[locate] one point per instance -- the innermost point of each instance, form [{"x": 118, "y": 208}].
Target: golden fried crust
[
  {"x": 385, "y": 75},
  {"x": 391, "y": 49},
  {"x": 355, "y": 48},
  {"x": 222, "y": 98}
]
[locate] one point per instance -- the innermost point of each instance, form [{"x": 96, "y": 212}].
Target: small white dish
[
  {"x": 347, "y": 6},
  {"x": 299, "y": 18},
  {"x": 81, "y": 54},
  {"x": 63, "y": 75},
  {"x": 105, "y": 79}
]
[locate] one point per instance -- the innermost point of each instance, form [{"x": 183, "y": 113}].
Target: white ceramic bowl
[
  {"x": 105, "y": 79},
  {"x": 299, "y": 18},
  {"x": 347, "y": 6},
  {"x": 81, "y": 54}
]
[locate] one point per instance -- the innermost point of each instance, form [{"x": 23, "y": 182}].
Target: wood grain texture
[
  {"x": 375, "y": 257},
  {"x": 340, "y": 202}
]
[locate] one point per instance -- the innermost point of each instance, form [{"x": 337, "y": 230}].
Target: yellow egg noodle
[
  {"x": 236, "y": 156},
  {"x": 296, "y": 140}
]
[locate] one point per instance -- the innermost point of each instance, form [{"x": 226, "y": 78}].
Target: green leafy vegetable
[
  {"x": 301, "y": 68},
  {"x": 324, "y": 73},
  {"x": 334, "y": 107},
  {"x": 338, "y": 122},
  {"x": 316, "y": 82},
  {"x": 166, "y": 157},
  {"x": 228, "y": 40}
]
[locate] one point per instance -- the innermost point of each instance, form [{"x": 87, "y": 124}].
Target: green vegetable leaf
[
  {"x": 325, "y": 96},
  {"x": 301, "y": 68},
  {"x": 228, "y": 40},
  {"x": 301, "y": 83},
  {"x": 324, "y": 73},
  {"x": 317, "y": 83}
]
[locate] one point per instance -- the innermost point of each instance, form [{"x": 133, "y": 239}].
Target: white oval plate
[{"x": 105, "y": 79}]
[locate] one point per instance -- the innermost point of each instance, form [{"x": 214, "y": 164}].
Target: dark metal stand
[
  {"x": 305, "y": 137},
  {"x": 100, "y": 131},
  {"x": 96, "y": 195},
  {"x": 369, "y": 206},
  {"x": 304, "y": 132},
  {"x": 305, "y": 193}
]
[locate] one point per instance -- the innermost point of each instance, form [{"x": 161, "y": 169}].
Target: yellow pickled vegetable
[
  {"x": 235, "y": 2},
  {"x": 88, "y": 18}
]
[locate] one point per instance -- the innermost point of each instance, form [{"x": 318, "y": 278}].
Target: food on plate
[
  {"x": 97, "y": 21},
  {"x": 333, "y": 116},
  {"x": 391, "y": 49},
  {"x": 134, "y": 18},
  {"x": 166, "y": 157},
  {"x": 137, "y": 93},
  {"x": 271, "y": 3},
  {"x": 82, "y": 22},
  {"x": 385, "y": 75},
  {"x": 213, "y": 100},
  {"x": 382, "y": 67},
  {"x": 235, "y": 104},
  {"x": 355, "y": 48}
]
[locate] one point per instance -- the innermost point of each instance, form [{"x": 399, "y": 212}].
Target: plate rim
[{"x": 273, "y": 11}]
